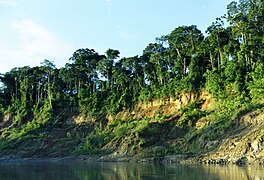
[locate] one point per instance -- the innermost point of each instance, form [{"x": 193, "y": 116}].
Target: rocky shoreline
[
  {"x": 172, "y": 159},
  {"x": 183, "y": 159},
  {"x": 18, "y": 159}
]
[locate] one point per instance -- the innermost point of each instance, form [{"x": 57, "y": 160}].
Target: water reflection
[{"x": 125, "y": 171}]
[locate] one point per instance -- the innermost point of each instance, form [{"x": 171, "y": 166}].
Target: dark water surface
[{"x": 124, "y": 171}]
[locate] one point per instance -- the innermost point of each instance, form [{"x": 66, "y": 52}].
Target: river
[{"x": 125, "y": 171}]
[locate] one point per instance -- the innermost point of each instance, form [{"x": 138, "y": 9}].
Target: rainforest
[{"x": 188, "y": 96}]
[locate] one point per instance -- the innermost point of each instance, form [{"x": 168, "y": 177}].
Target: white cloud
[
  {"x": 8, "y": 2},
  {"x": 33, "y": 43},
  {"x": 36, "y": 39}
]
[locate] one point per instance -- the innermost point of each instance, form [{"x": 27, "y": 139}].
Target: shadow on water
[{"x": 125, "y": 171}]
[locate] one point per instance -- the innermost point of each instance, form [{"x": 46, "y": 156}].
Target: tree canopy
[{"x": 227, "y": 61}]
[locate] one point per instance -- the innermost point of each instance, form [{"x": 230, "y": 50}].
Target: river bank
[{"x": 190, "y": 129}]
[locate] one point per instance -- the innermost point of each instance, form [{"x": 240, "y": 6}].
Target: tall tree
[
  {"x": 218, "y": 38},
  {"x": 246, "y": 19},
  {"x": 84, "y": 71},
  {"x": 183, "y": 43},
  {"x": 105, "y": 65}
]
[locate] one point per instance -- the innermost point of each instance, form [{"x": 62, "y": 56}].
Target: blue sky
[{"x": 34, "y": 30}]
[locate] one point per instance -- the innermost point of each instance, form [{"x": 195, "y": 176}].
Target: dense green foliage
[{"x": 228, "y": 62}]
